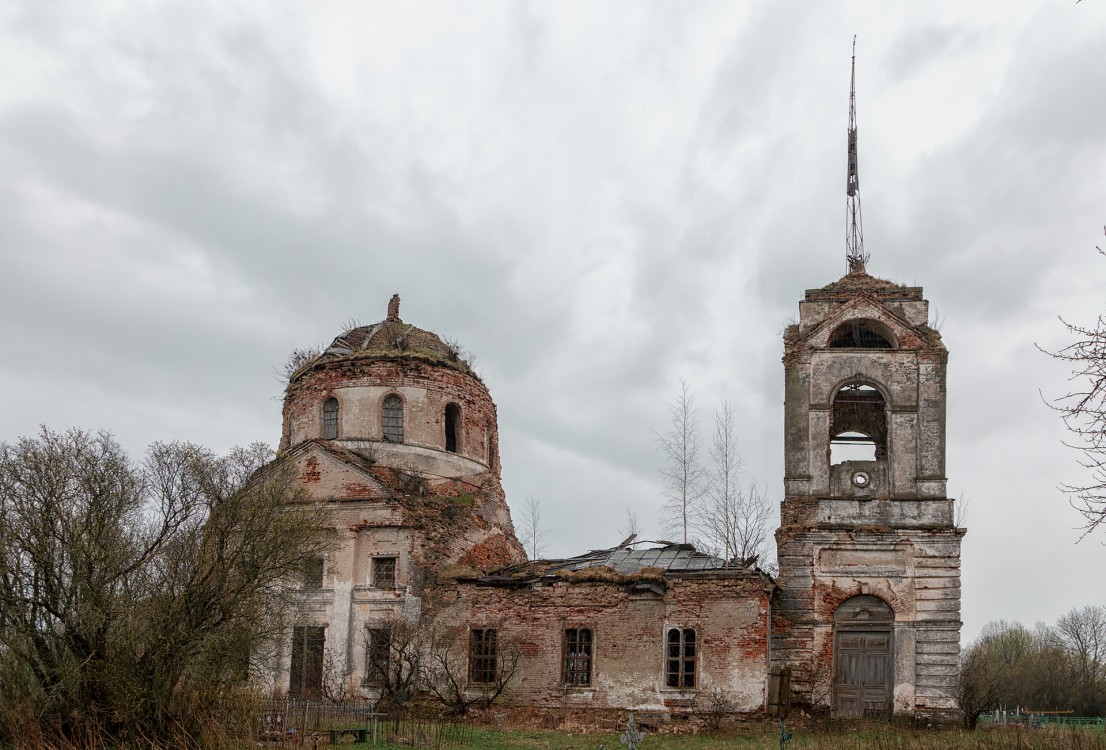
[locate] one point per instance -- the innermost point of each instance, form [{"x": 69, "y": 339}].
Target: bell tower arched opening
[
  {"x": 858, "y": 425},
  {"x": 862, "y": 334}
]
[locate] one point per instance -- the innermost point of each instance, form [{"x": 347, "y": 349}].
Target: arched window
[
  {"x": 861, "y": 334},
  {"x": 452, "y": 427},
  {"x": 391, "y": 419},
  {"x": 330, "y": 419},
  {"x": 680, "y": 658},
  {"x": 858, "y": 425}
]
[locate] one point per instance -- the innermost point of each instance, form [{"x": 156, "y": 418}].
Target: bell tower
[{"x": 867, "y": 613}]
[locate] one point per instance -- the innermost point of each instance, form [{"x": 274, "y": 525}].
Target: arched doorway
[{"x": 863, "y": 658}]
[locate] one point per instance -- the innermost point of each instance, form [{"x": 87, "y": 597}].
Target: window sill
[
  {"x": 579, "y": 694},
  {"x": 679, "y": 701}
]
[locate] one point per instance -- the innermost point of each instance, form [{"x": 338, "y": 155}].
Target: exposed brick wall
[
  {"x": 462, "y": 520},
  {"x": 729, "y": 613},
  {"x": 894, "y": 538},
  {"x": 360, "y": 385}
]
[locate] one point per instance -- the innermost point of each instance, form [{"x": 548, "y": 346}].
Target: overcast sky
[{"x": 597, "y": 199}]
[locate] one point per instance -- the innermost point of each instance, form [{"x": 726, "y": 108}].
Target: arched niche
[{"x": 863, "y": 611}]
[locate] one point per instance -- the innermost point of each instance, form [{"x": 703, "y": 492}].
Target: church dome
[
  {"x": 391, "y": 338},
  {"x": 401, "y": 392}
]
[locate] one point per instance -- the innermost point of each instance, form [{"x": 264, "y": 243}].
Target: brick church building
[{"x": 394, "y": 432}]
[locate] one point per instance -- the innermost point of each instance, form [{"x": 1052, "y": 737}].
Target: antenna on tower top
[{"x": 855, "y": 256}]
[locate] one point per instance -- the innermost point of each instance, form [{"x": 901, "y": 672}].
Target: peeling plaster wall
[
  {"x": 893, "y": 538},
  {"x": 360, "y": 385},
  {"x": 730, "y": 615},
  {"x": 428, "y": 507}
]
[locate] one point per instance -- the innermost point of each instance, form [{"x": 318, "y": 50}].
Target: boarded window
[
  {"x": 452, "y": 427},
  {"x": 680, "y": 658},
  {"x": 330, "y": 419},
  {"x": 384, "y": 572},
  {"x": 482, "y": 656},
  {"x": 313, "y": 573},
  {"x": 392, "y": 419},
  {"x": 577, "y": 657},
  {"x": 376, "y": 655},
  {"x": 305, "y": 677}
]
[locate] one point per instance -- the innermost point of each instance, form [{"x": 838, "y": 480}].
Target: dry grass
[{"x": 766, "y": 738}]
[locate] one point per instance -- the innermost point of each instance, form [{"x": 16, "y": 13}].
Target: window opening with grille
[
  {"x": 392, "y": 419},
  {"x": 680, "y": 658},
  {"x": 577, "y": 657},
  {"x": 330, "y": 419},
  {"x": 312, "y": 573},
  {"x": 305, "y": 677},
  {"x": 376, "y": 654},
  {"x": 482, "y": 656},
  {"x": 384, "y": 572}
]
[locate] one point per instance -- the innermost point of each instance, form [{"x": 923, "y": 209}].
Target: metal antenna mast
[{"x": 855, "y": 256}]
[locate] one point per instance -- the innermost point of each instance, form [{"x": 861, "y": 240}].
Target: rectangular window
[
  {"x": 384, "y": 572},
  {"x": 482, "y": 656},
  {"x": 305, "y": 676},
  {"x": 313, "y": 573},
  {"x": 377, "y": 650},
  {"x": 680, "y": 657},
  {"x": 577, "y": 657}
]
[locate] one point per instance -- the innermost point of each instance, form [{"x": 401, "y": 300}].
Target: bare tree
[
  {"x": 336, "y": 684},
  {"x": 986, "y": 669},
  {"x": 132, "y": 596},
  {"x": 981, "y": 683},
  {"x": 297, "y": 359},
  {"x": 533, "y": 533},
  {"x": 395, "y": 652},
  {"x": 1083, "y": 410},
  {"x": 1081, "y": 632},
  {"x": 630, "y": 527},
  {"x": 682, "y": 469},
  {"x": 995, "y": 670},
  {"x": 734, "y": 521},
  {"x": 448, "y": 671},
  {"x": 960, "y": 511}
]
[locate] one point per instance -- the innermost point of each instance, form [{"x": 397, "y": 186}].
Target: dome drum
[{"x": 393, "y": 400}]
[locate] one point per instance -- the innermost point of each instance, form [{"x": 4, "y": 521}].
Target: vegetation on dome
[
  {"x": 862, "y": 282},
  {"x": 389, "y": 339}
]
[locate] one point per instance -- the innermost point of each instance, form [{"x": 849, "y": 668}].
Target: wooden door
[{"x": 862, "y": 675}]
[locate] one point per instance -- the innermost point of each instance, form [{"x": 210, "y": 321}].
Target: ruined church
[{"x": 391, "y": 429}]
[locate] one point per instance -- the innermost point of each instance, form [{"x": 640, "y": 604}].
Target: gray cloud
[{"x": 596, "y": 200}]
